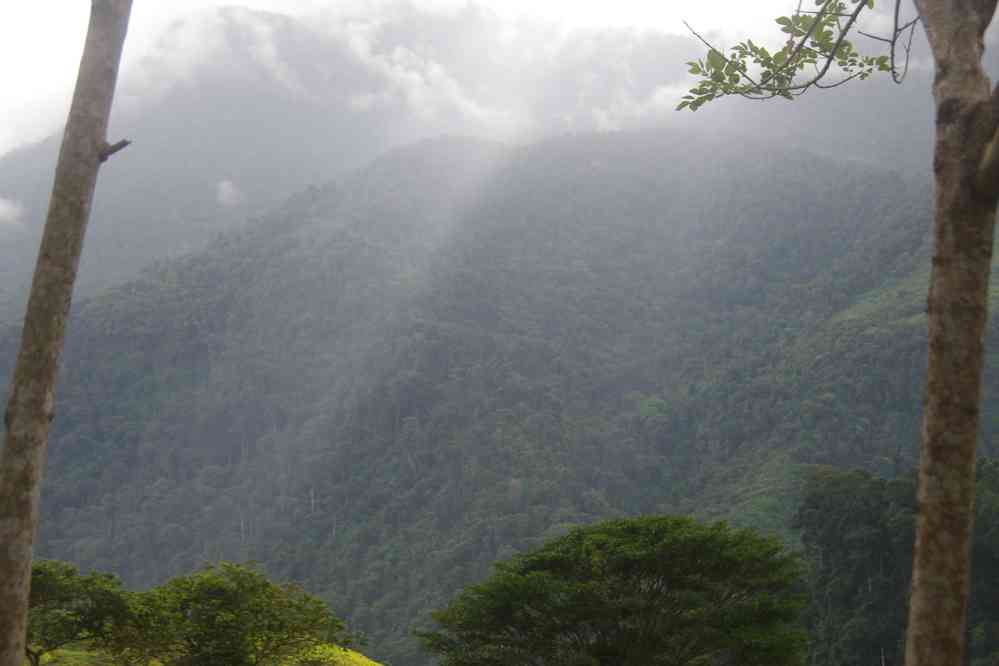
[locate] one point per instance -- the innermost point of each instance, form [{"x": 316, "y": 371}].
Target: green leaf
[{"x": 715, "y": 59}]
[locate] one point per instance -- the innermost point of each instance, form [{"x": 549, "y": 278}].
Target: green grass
[
  {"x": 345, "y": 657},
  {"x": 74, "y": 657}
]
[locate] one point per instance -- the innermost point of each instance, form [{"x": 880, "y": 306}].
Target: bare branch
[
  {"x": 109, "y": 150},
  {"x": 896, "y": 33}
]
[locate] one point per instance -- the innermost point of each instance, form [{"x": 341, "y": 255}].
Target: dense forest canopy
[{"x": 465, "y": 348}]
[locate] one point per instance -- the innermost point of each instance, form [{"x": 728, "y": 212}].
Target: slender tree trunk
[
  {"x": 30, "y": 405},
  {"x": 965, "y": 211}
]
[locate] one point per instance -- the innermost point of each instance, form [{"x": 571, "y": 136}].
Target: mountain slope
[
  {"x": 233, "y": 110},
  {"x": 464, "y": 348}
]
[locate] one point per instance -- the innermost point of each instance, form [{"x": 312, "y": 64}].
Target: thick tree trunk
[
  {"x": 965, "y": 212},
  {"x": 29, "y": 409}
]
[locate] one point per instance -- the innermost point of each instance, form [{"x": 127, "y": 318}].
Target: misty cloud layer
[
  {"x": 468, "y": 70},
  {"x": 391, "y": 73},
  {"x": 234, "y": 110}
]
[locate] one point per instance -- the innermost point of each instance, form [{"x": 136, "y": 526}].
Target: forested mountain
[
  {"x": 233, "y": 110},
  {"x": 464, "y": 348},
  {"x": 220, "y": 132}
]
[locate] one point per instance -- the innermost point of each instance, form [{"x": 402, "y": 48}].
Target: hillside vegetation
[{"x": 463, "y": 349}]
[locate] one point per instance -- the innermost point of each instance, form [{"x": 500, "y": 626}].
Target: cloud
[
  {"x": 416, "y": 68},
  {"x": 372, "y": 74},
  {"x": 180, "y": 49},
  {"x": 11, "y": 213},
  {"x": 228, "y": 195},
  {"x": 264, "y": 48}
]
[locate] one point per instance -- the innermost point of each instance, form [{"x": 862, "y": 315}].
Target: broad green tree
[
  {"x": 69, "y": 608},
  {"x": 30, "y": 405},
  {"x": 820, "y": 52},
  {"x": 654, "y": 590},
  {"x": 227, "y": 614}
]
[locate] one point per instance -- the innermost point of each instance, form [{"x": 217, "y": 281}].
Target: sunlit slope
[{"x": 389, "y": 382}]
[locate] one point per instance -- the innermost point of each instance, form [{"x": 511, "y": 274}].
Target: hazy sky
[{"x": 41, "y": 40}]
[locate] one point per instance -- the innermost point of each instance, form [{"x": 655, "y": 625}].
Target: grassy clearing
[
  {"x": 75, "y": 657},
  {"x": 72, "y": 657}
]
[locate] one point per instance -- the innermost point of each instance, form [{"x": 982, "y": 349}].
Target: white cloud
[
  {"x": 228, "y": 195},
  {"x": 11, "y": 213},
  {"x": 505, "y": 68},
  {"x": 265, "y": 50},
  {"x": 411, "y": 76}
]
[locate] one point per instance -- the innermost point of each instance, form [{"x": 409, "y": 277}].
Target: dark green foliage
[
  {"x": 67, "y": 607},
  {"x": 225, "y": 614},
  {"x": 654, "y": 590},
  {"x": 858, "y": 530}
]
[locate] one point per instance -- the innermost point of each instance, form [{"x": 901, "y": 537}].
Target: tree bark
[
  {"x": 965, "y": 211},
  {"x": 30, "y": 405}
]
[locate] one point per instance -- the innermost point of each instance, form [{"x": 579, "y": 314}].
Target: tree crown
[{"x": 654, "y": 590}]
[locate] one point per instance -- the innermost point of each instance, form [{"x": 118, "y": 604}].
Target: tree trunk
[
  {"x": 30, "y": 405},
  {"x": 965, "y": 211}
]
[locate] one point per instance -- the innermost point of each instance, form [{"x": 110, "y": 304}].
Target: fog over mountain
[{"x": 235, "y": 109}]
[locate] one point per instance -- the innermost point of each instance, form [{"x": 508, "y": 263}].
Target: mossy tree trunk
[
  {"x": 30, "y": 405},
  {"x": 967, "y": 184}
]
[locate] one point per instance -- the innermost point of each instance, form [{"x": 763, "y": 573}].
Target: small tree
[
  {"x": 656, "y": 590},
  {"x": 227, "y": 614},
  {"x": 966, "y": 172},
  {"x": 67, "y": 607}
]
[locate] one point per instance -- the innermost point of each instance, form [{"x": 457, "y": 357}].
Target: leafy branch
[{"x": 816, "y": 49}]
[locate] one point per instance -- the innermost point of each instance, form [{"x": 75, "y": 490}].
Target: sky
[{"x": 41, "y": 41}]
